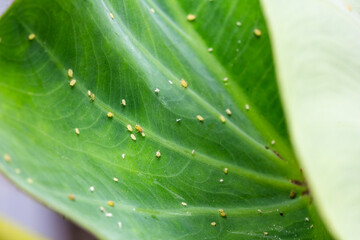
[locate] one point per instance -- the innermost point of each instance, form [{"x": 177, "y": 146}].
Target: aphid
[
  {"x": 225, "y": 79},
  {"x": 281, "y": 214},
  {"x": 238, "y": 24},
  {"x": 108, "y": 214},
  {"x": 102, "y": 209},
  {"x": 89, "y": 93},
  {"x": 92, "y": 189},
  {"x": 133, "y": 137},
  {"x": 71, "y": 197},
  {"x": 178, "y": 120},
  {"x": 311, "y": 226},
  {"x": 273, "y": 142},
  {"x": 115, "y": 179},
  {"x": 223, "y": 214},
  {"x": 213, "y": 224},
  {"x": 138, "y": 128},
  {"x": 226, "y": 170},
  {"x": 110, "y": 115},
  {"x": 152, "y": 10},
  {"x": 193, "y": 152},
  {"x": 18, "y": 171},
  {"x": 228, "y": 111},
  {"x": 30, "y": 180},
  {"x": 221, "y": 180},
  {"x": 72, "y": 83},
  {"x": 31, "y": 36},
  {"x": 266, "y": 233},
  {"x": 158, "y": 154},
  {"x": 77, "y": 131},
  {"x": 190, "y": 17},
  {"x": 183, "y": 83},
  {"x": 307, "y": 219},
  {"x": 123, "y": 155},
  {"x": 70, "y": 73},
  {"x": 7, "y": 158},
  {"x": 120, "y": 225},
  {"x": 222, "y": 118},
  {"x": 221, "y": 210},
  {"x": 123, "y": 102},
  {"x": 111, "y": 15},
  {"x": 200, "y": 118},
  {"x": 129, "y": 128},
  {"x": 247, "y": 107},
  {"x": 292, "y": 194},
  {"x": 210, "y": 49},
  {"x": 157, "y": 90},
  {"x": 184, "y": 204},
  {"x": 170, "y": 82},
  {"x": 111, "y": 203},
  {"x": 92, "y": 97},
  {"x": 257, "y": 32},
  {"x": 259, "y": 210},
  {"x": 143, "y": 134}
]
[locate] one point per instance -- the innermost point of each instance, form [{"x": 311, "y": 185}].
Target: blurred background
[{"x": 20, "y": 214}]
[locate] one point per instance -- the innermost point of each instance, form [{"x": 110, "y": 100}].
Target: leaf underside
[{"x": 125, "y": 50}]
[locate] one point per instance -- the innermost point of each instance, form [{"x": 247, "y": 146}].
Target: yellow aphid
[
  {"x": 123, "y": 102},
  {"x": 200, "y": 118},
  {"x": 115, "y": 179},
  {"x": 111, "y": 203},
  {"x": 7, "y": 158},
  {"x": 257, "y": 32},
  {"x": 349, "y": 7},
  {"x": 77, "y": 131},
  {"x": 226, "y": 170},
  {"x": 191, "y": 17},
  {"x": 183, "y": 83},
  {"x": 92, "y": 97},
  {"x": 89, "y": 93},
  {"x": 228, "y": 111},
  {"x": 110, "y": 115},
  {"x": 247, "y": 107},
  {"x": 223, "y": 214},
  {"x": 210, "y": 49},
  {"x": 226, "y": 79},
  {"x": 72, "y": 83},
  {"x": 221, "y": 210},
  {"x": 30, "y": 180},
  {"x": 70, "y": 73},
  {"x": 266, "y": 233},
  {"x": 71, "y": 197},
  {"x": 133, "y": 137},
  {"x": 111, "y": 15},
  {"x": 31, "y": 36},
  {"x": 158, "y": 154},
  {"x": 222, "y": 118},
  {"x": 273, "y": 142},
  {"x": 129, "y": 128},
  {"x": 184, "y": 204},
  {"x": 193, "y": 152},
  {"x": 213, "y": 224},
  {"x": 143, "y": 134},
  {"x": 138, "y": 128}
]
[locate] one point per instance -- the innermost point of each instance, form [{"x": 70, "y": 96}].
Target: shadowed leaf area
[{"x": 171, "y": 182}]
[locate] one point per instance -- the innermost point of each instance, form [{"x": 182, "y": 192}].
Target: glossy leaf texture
[
  {"x": 320, "y": 88},
  {"x": 126, "y": 50}
]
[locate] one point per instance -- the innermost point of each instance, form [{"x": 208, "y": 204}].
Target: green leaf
[
  {"x": 125, "y": 50},
  {"x": 320, "y": 88}
]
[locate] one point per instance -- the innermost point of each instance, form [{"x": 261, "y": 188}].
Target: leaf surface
[
  {"x": 321, "y": 87},
  {"x": 125, "y": 50}
]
